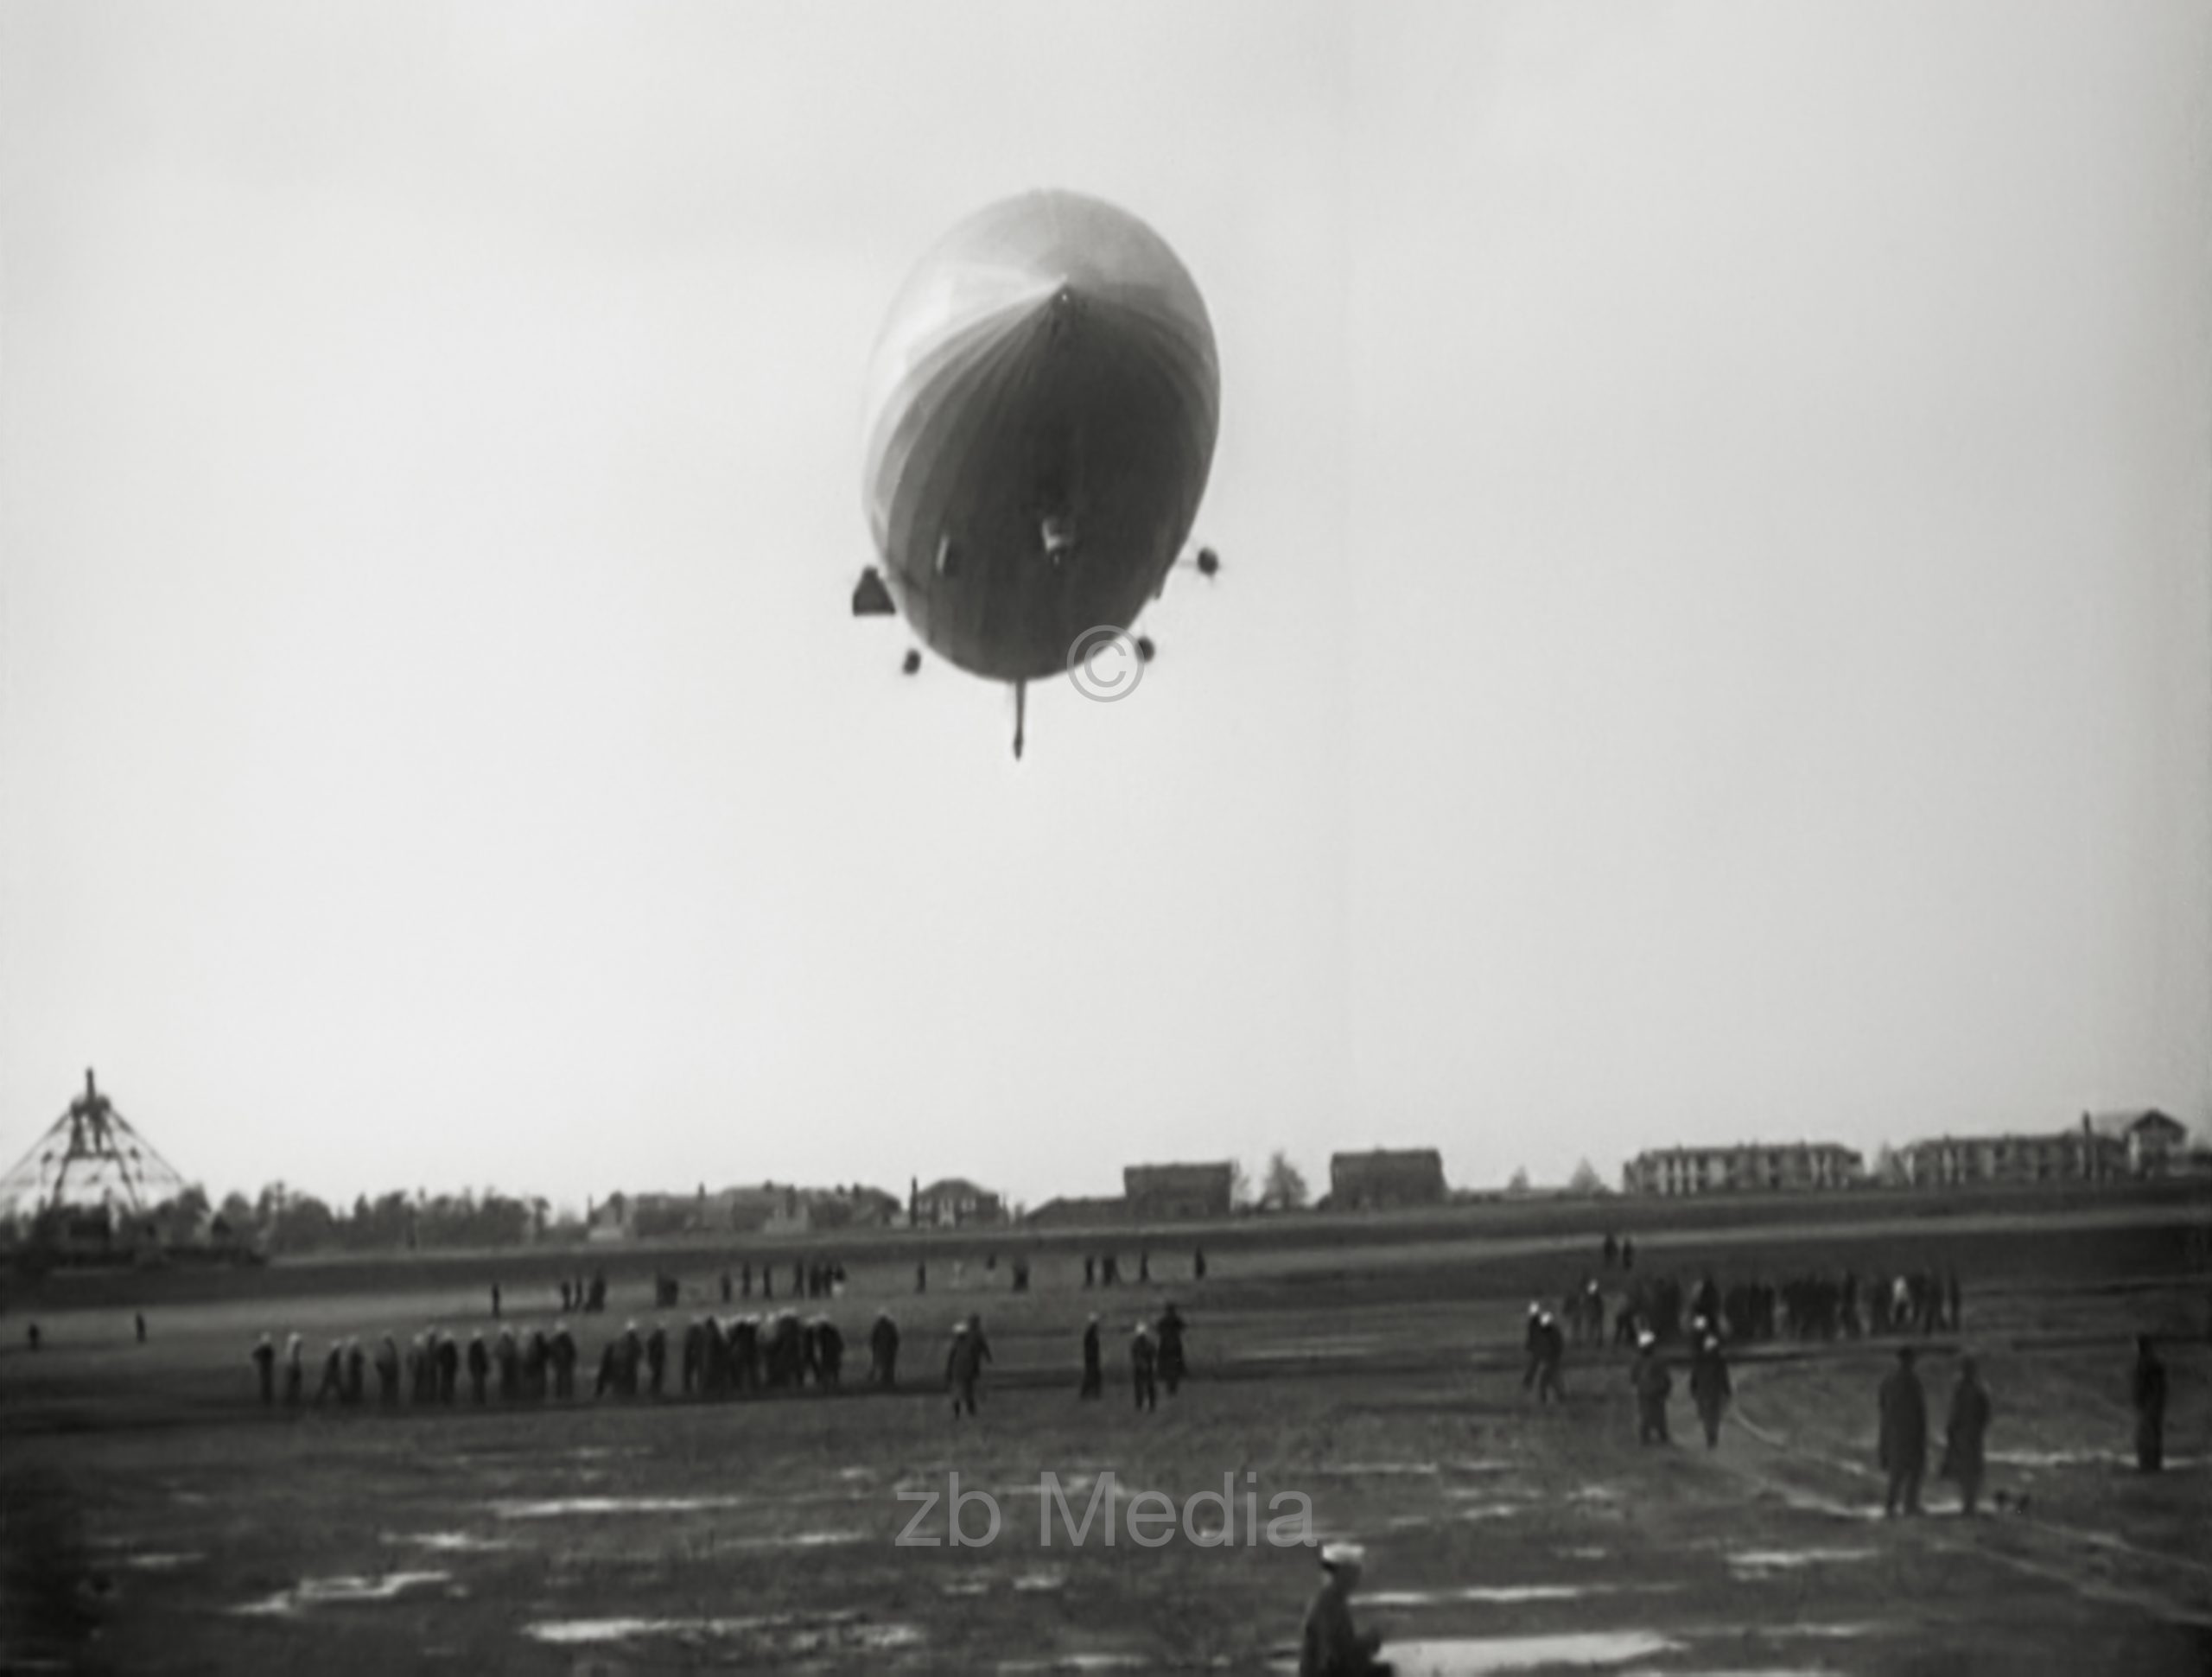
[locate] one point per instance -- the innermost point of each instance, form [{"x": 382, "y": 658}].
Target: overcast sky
[{"x": 1715, "y": 640}]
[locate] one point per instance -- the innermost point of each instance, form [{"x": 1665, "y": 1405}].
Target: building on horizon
[
  {"x": 955, "y": 1202},
  {"x": 1076, "y": 1212},
  {"x": 1163, "y": 1193},
  {"x": 2110, "y": 1148},
  {"x": 770, "y": 1209},
  {"x": 2155, "y": 1142},
  {"x": 1749, "y": 1167},
  {"x": 1383, "y": 1179}
]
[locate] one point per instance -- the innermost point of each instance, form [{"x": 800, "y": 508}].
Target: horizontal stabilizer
[{"x": 871, "y": 597}]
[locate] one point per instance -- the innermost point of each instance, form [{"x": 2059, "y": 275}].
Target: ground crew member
[
  {"x": 561, "y": 1350},
  {"x": 295, "y": 1376},
  {"x": 1904, "y": 1435},
  {"x": 480, "y": 1367},
  {"x": 448, "y": 1356},
  {"x": 1963, "y": 1461},
  {"x": 1089, "y": 1271},
  {"x": 333, "y": 1374},
  {"x": 1710, "y": 1387},
  {"x": 608, "y": 1379},
  {"x": 1198, "y": 1263},
  {"x": 1532, "y": 1343},
  {"x": 1144, "y": 1268},
  {"x": 656, "y": 1357},
  {"x": 355, "y": 1363},
  {"x": 265, "y": 1364},
  {"x": 1143, "y": 1360},
  {"x": 140, "y": 1319},
  {"x": 388, "y": 1373},
  {"x": 31, "y": 1336},
  {"x": 963, "y": 1364},
  {"x": 1653, "y": 1385},
  {"x": 495, "y": 1301},
  {"x": 1329, "y": 1645},
  {"x": 1551, "y": 1357},
  {"x": 1094, "y": 1376},
  {"x": 1170, "y": 1348},
  {"x": 2148, "y": 1390},
  {"x": 883, "y": 1352},
  {"x": 921, "y": 1278}
]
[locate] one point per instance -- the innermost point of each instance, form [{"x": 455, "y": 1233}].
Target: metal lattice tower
[{"x": 92, "y": 1156}]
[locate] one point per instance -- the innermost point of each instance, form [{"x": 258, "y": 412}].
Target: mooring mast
[{"x": 91, "y": 1155}]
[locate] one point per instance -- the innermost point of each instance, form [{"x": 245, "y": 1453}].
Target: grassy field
[{"x": 154, "y": 1518}]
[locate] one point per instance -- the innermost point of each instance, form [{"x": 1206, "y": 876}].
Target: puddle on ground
[
  {"x": 556, "y": 1506},
  {"x": 1036, "y": 1582},
  {"x": 966, "y": 1586},
  {"x": 1585, "y": 1553},
  {"x": 1498, "y": 1593},
  {"x": 450, "y": 1542},
  {"x": 159, "y": 1562},
  {"x": 1361, "y": 1469},
  {"x": 2083, "y": 1458},
  {"x": 1829, "y": 1632},
  {"x": 1771, "y": 1561},
  {"x": 791, "y": 1540},
  {"x": 1806, "y": 1502},
  {"x": 1467, "y": 1656},
  {"x": 1079, "y": 1662},
  {"x": 788, "y": 1634},
  {"x": 321, "y": 1591},
  {"x": 1310, "y": 1347}
]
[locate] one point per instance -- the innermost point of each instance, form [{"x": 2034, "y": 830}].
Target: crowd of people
[
  {"x": 1649, "y": 1319},
  {"x": 715, "y": 1355}
]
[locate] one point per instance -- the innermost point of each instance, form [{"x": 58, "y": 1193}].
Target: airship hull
[{"x": 1042, "y": 412}]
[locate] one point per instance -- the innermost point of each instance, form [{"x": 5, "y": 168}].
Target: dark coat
[
  {"x": 1904, "y": 1422},
  {"x": 1969, "y": 1425}
]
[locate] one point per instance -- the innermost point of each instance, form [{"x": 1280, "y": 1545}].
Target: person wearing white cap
[
  {"x": 1710, "y": 1387},
  {"x": 1331, "y": 1645},
  {"x": 1551, "y": 1354},
  {"x": 1653, "y": 1384}
]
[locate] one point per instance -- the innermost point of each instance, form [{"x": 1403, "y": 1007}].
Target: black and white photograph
[{"x": 1314, "y": 837}]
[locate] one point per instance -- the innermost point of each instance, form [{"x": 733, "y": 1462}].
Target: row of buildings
[
  {"x": 1380, "y": 1179},
  {"x": 2108, "y": 1147},
  {"x": 2111, "y": 1147},
  {"x": 787, "y": 1208}
]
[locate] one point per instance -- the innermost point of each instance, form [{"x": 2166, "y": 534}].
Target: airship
[{"x": 1040, "y": 416}]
